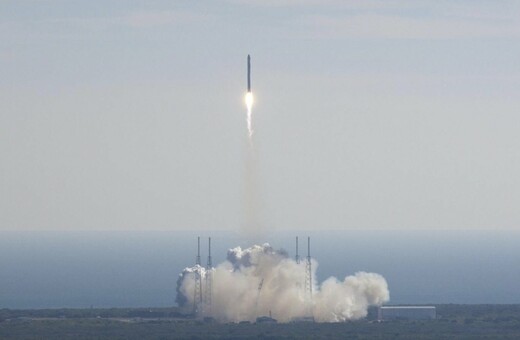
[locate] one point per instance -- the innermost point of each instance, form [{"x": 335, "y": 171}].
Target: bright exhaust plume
[{"x": 249, "y": 105}]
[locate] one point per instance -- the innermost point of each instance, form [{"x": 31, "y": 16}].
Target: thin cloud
[
  {"x": 161, "y": 18},
  {"x": 75, "y": 27},
  {"x": 403, "y": 19},
  {"x": 402, "y": 27}
]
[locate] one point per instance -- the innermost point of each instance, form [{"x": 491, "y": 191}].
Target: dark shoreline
[{"x": 453, "y": 321}]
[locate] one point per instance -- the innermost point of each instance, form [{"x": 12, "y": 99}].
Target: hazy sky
[{"x": 368, "y": 114}]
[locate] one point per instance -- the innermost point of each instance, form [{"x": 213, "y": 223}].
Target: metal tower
[
  {"x": 258, "y": 296},
  {"x": 308, "y": 277},
  {"x": 197, "y": 292},
  {"x": 297, "y": 257},
  {"x": 209, "y": 281}
]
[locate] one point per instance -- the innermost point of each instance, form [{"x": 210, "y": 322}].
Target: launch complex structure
[{"x": 202, "y": 301}]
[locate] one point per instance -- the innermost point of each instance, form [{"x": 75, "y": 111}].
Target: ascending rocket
[
  {"x": 249, "y": 99},
  {"x": 248, "y": 73}
]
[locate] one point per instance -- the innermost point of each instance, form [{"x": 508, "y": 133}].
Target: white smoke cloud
[{"x": 259, "y": 281}]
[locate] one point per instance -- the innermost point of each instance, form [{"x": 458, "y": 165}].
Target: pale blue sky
[{"x": 374, "y": 114}]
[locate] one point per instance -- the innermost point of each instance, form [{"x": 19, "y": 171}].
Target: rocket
[
  {"x": 248, "y": 73},
  {"x": 249, "y": 98}
]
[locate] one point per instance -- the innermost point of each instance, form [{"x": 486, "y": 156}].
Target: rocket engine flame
[{"x": 249, "y": 105}]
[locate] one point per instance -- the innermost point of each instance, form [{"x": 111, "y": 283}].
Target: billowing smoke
[{"x": 261, "y": 281}]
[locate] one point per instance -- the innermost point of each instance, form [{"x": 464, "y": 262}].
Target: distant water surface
[{"x": 140, "y": 268}]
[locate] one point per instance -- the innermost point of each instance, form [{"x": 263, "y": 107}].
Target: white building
[{"x": 406, "y": 313}]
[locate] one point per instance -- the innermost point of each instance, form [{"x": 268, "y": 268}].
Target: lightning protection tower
[
  {"x": 209, "y": 281},
  {"x": 308, "y": 277},
  {"x": 197, "y": 292},
  {"x": 297, "y": 257}
]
